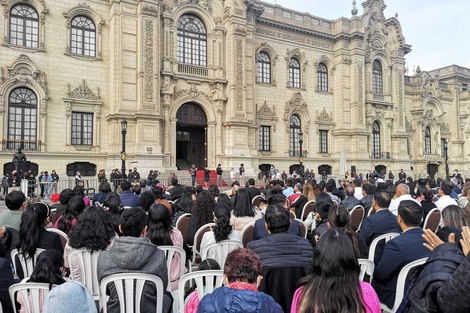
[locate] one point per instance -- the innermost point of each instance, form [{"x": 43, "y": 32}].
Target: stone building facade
[{"x": 228, "y": 82}]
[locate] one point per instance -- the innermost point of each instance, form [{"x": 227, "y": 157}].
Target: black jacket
[
  {"x": 433, "y": 276},
  {"x": 283, "y": 250}
]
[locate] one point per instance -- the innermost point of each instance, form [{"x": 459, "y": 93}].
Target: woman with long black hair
[
  {"x": 334, "y": 284},
  {"x": 339, "y": 217},
  {"x": 222, "y": 231},
  {"x": 243, "y": 211},
  {"x": 183, "y": 205},
  {"x": 113, "y": 205},
  {"x": 68, "y": 221},
  {"x": 202, "y": 213},
  {"x": 161, "y": 233},
  {"x": 33, "y": 234},
  {"x": 94, "y": 232}
]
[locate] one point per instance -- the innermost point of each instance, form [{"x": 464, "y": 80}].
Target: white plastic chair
[
  {"x": 303, "y": 228},
  {"x": 129, "y": 289},
  {"x": 255, "y": 201},
  {"x": 374, "y": 243},
  {"x": 64, "y": 238},
  {"x": 432, "y": 220},
  {"x": 308, "y": 207},
  {"x": 182, "y": 224},
  {"x": 198, "y": 238},
  {"x": 357, "y": 216},
  {"x": 88, "y": 264},
  {"x": 32, "y": 295},
  {"x": 220, "y": 249},
  {"x": 247, "y": 233},
  {"x": 401, "y": 283},
  {"x": 367, "y": 267},
  {"x": 169, "y": 254},
  {"x": 26, "y": 264},
  {"x": 205, "y": 281}
]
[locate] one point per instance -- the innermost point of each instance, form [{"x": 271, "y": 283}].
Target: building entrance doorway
[
  {"x": 432, "y": 170},
  {"x": 191, "y": 135}
]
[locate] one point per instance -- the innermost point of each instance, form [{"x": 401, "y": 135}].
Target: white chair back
[
  {"x": 129, "y": 288},
  {"x": 432, "y": 220},
  {"x": 198, "y": 237},
  {"x": 247, "y": 233},
  {"x": 205, "y": 281},
  {"x": 170, "y": 252},
  {"x": 367, "y": 267},
  {"x": 357, "y": 216},
  {"x": 307, "y": 209},
  {"x": 221, "y": 249},
  {"x": 374, "y": 243},
  {"x": 401, "y": 283},
  {"x": 26, "y": 264},
  {"x": 303, "y": 228},
  {"x": 88, "y": 264},
  {"x": 32, "y": 295},
  {"x": 64, "y": 238},
  {"x": 256, "y": 200},
  {"x": 182, "y": 224}
]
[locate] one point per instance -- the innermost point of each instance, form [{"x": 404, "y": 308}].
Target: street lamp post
[
  {"x": 123, "y": 150},
  {"x": 446, "y": 147},
  {"x": 301, "y": 157}
]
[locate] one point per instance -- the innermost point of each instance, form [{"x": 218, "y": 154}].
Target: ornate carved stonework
[
  {"x": 239, "y": 71},
  {"x": 148, "y": 63},
  {"x": 324, "y": 117},
  {"x": 193, "y": 92},
  {"x": 400, "y": 99},
  {"x": 265, "y": 111},
  {"x": 150, "y": 8},
  {"x": 409, "y": 127},
  {"x": 296, "y": 103},
  {"x": 82, "y": 92},
  {"x": 24, "y": 71},
  {"x": 360, "y": 95},
  {"x": 206, "y": 4}
]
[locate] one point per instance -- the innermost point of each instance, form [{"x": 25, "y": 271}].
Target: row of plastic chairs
[{"x": 129, "y": 288}]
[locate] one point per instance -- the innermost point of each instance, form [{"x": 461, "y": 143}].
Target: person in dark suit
[
  {"x": 259, "y": 230},
  {"x": 400, "y": 251},
  {"x": 252, "y": 190},
  {"x": 382, "y": 222},
  {"x": 350, "y": 201}
]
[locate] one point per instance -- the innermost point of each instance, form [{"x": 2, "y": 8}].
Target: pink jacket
[
  {"x": 177, "y": 239},
  {"x": 369, "y": 299}
]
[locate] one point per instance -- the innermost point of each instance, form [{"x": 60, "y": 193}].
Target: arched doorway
[
  {"x": 191, "y": 136},
  {"x": 433, "y": 169}
]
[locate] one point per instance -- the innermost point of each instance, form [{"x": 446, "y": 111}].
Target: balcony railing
[
  {"x": 193, "y": 70},
  {"x": 296, "y": 153},
  {"x": 381, "y": 155},
  {"x": 26, "y": 145}
]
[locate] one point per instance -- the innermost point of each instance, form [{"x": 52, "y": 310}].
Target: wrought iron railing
[
  {"x": 26, "y": 145},
  {"x": 381, "y": 155}
]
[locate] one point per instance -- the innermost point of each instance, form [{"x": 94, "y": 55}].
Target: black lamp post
[
  {"x": 301, "y": 157},
  {"x": 446, "y": 147},
  {"x": 123, "y": 152}
]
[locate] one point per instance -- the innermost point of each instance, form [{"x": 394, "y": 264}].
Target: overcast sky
[{"x": 437, "y": 30}]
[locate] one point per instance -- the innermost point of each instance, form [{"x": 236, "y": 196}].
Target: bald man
[{"x": 402, "y": 193}]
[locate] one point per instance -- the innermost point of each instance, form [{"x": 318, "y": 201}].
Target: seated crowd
[{"x": 296, "y": 246}]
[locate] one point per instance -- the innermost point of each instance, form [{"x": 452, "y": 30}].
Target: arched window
[
  {"x": 294, "y": 73},
  {"x": 295, "y": 127},
  {"x": 427, "y": 140},
  {"x": 322, "y": 79},
  {"x": 83, "y": 36},
  {"x": 377, "y": 83},
  {"x": 22, "y": 119},
  {"x": 24, "y": 26},
  {"x": 192, "y": 40},
  {"x": 264, "y": 68},
  {"x": 376, "y": 151}
]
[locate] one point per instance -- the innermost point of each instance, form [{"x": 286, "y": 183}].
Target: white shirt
[
  {"x": 444, "y": 201},
  {"x": 395, "y": 202},
  {"x": 358, "y": 193}
]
